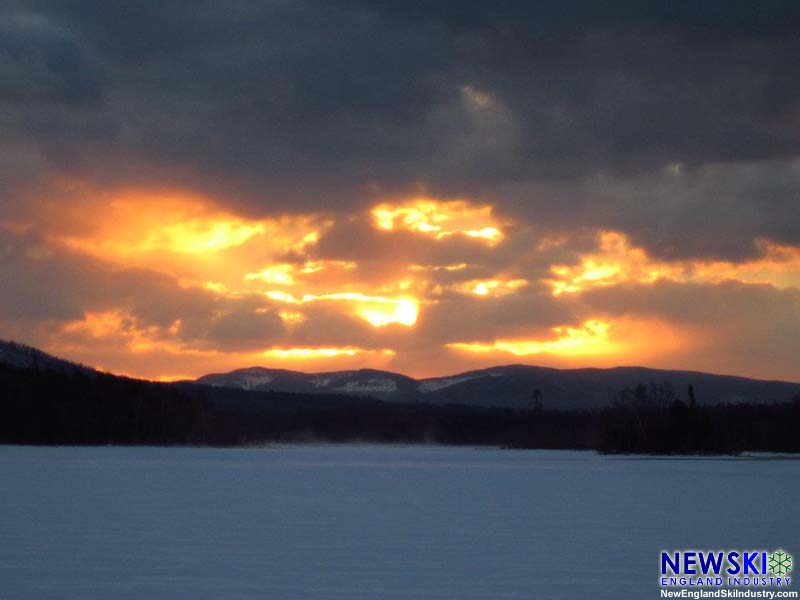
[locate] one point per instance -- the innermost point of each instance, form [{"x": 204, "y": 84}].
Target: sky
[{"x": 424, "y": 187}]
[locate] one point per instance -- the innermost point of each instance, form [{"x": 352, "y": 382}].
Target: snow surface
[
  {"x": 250, "y": 382},
  {"x": 431, "y": 385},
  {"x": 372, "y": 522},
  {"x": 383, "y": 384}
]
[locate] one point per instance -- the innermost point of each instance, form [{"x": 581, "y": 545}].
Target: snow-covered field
[{"x": 372, "y": 522}]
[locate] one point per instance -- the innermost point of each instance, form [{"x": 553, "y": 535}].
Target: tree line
[
  {"x": 653, "y": 419},
  {"x": 88, "y": 408}
]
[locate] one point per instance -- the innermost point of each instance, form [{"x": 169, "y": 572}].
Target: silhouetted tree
[
  {"x": 537, "y": 400},
  {"x": 84, "y": 407},
  {"x": 661, "y": 394}
]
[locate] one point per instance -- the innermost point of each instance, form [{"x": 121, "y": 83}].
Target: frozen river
[{"x": 372, "y": 522}]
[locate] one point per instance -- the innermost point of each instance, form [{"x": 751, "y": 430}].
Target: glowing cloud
[
  {"x": 434, "y": 268},
  {"x": 327, "y": 352},
  {"x": 202, "y": 235},
  {"x": 592, "y": 338},
  {"x": 288, "y": 273},
  {"x": 490, "y": 288},
  {"x": 439, "y": 219},
  {"x": 187, "y": 236},
  {"x": 278, "y": 274},
  {"x": 617, "y": 262},
  {"x": 119, "y": 325},
  {"x": 120, "y": 335},
  {"x": 291, "y": 317},
  {"x": 378, "y": 311},
  {"x": 233, "y": 264}
]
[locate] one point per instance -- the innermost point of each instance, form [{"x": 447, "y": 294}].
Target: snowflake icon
[{"x": 780, "y": 563}]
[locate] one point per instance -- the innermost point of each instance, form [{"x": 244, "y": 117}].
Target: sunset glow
[
  {"x": 306, "y": 353},
  {"x": 439, "y": 219},
  {"x": 356, "y": 258},
  {"x": 376, "y": 310},
  {"x": 617, "y": 262},
  {"x": 591, "y": 338},
  {"x": 177, "y": 232},
  {"x": 422, "y": 283},
  {"x": 267, "y": 275},
  {"x": 493, "y": 288},
  {"x": 287, "y": 273}
]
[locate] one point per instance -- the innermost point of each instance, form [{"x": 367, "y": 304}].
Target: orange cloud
[
  {"x": 325, "y": 352},
  {"x": 291, "y": 317},
  {"x": 597, "y": 342},
  {"x": 490, "y": 288},
  {"x": 449, "y": 268},
  {"x": 378, "y": 311},
  {"x": 272, "y": 268},
  {"x": 288, "y": 273},
  {"x": 591, "y": 338},
  {"x": 185, "y": 235},
  {"x": 120, "y": 334},
  {"x": 120, "y": 326},
  {"x": 439, "y": 219},
  {"x": 617, "y": 262},
  {"x": 142, "y": 223}
]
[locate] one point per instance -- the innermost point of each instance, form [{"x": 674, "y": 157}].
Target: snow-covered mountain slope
[
  {"x": 511, "y": 386},
  {"x": 363, "y": 382},
  {"x": 505, "y": 386}
]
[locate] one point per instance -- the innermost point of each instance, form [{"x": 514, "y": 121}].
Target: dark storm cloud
[
  {"x": 717, "y": 210},
  {"x": 564, "y": 112},
  {"x": 44, "y": 63},
  {"x": 713, "y": 211}
]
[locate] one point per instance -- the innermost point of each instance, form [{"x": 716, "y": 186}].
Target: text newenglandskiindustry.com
[{"x": 725, "y": 593}]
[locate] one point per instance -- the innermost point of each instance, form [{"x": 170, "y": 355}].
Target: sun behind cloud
[{"x": 260, "y": 289}]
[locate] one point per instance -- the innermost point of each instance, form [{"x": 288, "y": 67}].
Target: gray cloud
[
  {"x": 677, "y": 123},
  {"x": 43, "y": 63},
  {"x": 291, "y": 106}
]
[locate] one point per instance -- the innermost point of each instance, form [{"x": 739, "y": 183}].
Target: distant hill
[
  {"x": 17, "y": 355},
  {"x": 46, "y": 400},
  {"x": 510, "y": 386}
]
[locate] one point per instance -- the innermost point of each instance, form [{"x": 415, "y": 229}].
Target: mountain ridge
[
  {"x": 22, "y": 356},
  {"x": 511, "y": 386},
  {"x": 507, "y": 386},
  {"x": 47, "y": 401}
]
